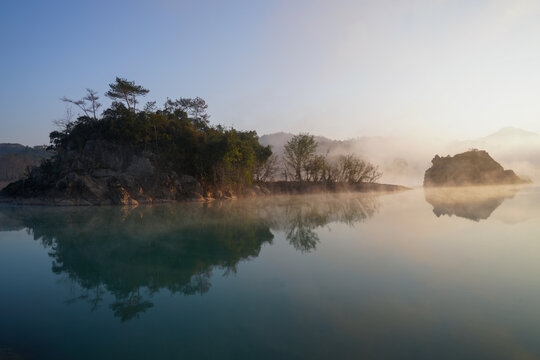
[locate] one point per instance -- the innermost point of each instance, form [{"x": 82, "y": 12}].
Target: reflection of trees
[
  {"x": 130, "y": 306},
  {"x": 133, "y": 253},
  {"x": 302, "y": 215},
  {"x": 474, "y": 203}
]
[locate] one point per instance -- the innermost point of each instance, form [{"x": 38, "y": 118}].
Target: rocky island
[
  {"x": 129, "y": 156},
  {"x": 473, "y": 167}
]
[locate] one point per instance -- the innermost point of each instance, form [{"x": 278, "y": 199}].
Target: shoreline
[{"x": 256, "y": 190}]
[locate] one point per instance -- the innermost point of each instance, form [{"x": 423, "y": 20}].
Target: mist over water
[
  {"x": 404, "y": 159},
  {"x": 411, "y": 275}
]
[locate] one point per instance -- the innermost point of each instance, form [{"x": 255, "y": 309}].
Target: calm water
[{"x": 419, "y": 275}]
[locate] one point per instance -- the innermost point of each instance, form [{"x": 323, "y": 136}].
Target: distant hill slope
[
  {"x": 9, "y": 148},
  {"x": 14, "y": 158}
]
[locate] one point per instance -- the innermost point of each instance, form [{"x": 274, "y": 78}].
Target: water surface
[{"x": 419, "y": 275}]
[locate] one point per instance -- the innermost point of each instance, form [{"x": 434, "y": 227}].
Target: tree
[
  {"x": 126, "y": 91},
  {"x": 299, "y": 151},
  {"x": 92, "y": 98},
  {"x": 195, "y": 108},
  {"x": 88, "y": 104},
  {"x": 150, "y": 109},
  {"x": 352, "y": 169},
  {"x": 64, "y": 123},
  {"x": 81, "y": 104},
  {"x": 317, "y": 169},
  {"x": 265, "y": 170}
]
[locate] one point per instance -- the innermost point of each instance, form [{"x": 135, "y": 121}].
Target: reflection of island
[
  {"x": 474, "y": 203},
  {"x": 134, "y": 253},
  {"x": 169, "y": 247}
]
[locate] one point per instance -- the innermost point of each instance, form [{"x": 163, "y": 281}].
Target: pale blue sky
[{"x": 336, "y": 68}]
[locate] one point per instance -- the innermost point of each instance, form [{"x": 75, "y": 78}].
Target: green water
[{"x": 414, "y": 275}]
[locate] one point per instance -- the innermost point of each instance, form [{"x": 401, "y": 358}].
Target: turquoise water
[{"x": 418, "y": 275}]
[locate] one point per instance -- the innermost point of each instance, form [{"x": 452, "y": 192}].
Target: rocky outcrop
[
  {"x": 474, "y": 167},
  {"x": 102, "y": 173}
]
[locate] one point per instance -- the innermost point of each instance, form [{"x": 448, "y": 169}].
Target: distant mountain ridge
[{"x": 9, "y": 148}]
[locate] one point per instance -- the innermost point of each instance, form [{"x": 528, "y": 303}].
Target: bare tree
[
  {"x": 352, "y": 169},
  {"x": 92, "y": 98},
  {"x": 81, "y": 104},
  {"x": 64, "y": 122},
  {"x": 88, "y": 104},
  {"x": 267, "y": 170}
]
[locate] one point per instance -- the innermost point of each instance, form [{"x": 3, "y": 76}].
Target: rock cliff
[
  {"x": 474, "y": 167},
  {"x": 102, "y": 173}
]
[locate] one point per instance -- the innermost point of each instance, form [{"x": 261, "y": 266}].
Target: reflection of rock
[
  {"x": 133, "y": 253},
  {"x": 469, "y": 168},
  {"x": 474, "y": 203}
]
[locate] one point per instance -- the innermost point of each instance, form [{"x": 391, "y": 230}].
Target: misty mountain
[
  {"x": 14, "y": 158},
  {"x": 404, "y": 160},
  {"x": 508, "y": 137}
]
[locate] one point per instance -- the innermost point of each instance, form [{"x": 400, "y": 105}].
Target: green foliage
[
  {"x": 126, "y": 91},
  {"x": 179, "y": 135}
]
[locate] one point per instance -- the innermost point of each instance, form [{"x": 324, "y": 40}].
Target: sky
[{"x": 342, "y": 69}]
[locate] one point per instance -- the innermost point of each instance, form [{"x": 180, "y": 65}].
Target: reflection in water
[
  {"x": 133, "y": 253},
  {"x": 301, "y": 216},
  {"x": 474, "y": 203},
  {"x": 152, "y": 248}
]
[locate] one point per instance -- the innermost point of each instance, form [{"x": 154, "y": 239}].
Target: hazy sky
[{"x": 336, "y": 68}]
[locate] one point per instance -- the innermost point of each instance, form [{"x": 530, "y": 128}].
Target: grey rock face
[{"x": 104, "y": 173}]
